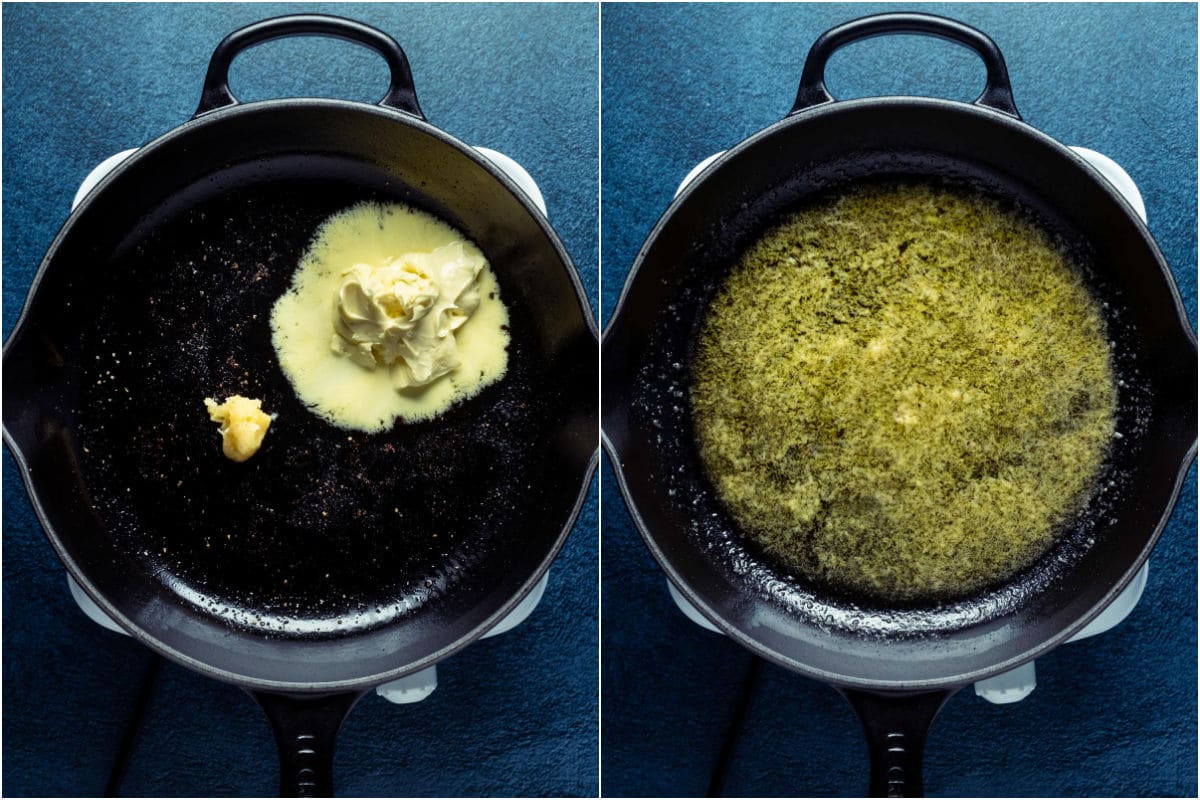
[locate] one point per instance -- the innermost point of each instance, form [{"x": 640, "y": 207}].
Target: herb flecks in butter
[{"x": 904, "y": 391}]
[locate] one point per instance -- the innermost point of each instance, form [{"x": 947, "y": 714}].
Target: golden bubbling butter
[
  {"x": 905, "y": 391},
  {"x": 392, "y": 314}
]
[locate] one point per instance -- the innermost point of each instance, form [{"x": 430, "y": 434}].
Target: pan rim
[
  {"x": 612, "y": 333},
  {"x": 851, "y": 681},
  {"x": 219, "y": 116},
  {"x": 314, "y": 687},
  {"x": 283, "y": 104},
  {"x": 840, "y": 107}
]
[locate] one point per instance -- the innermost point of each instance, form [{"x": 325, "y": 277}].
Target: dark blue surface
[
  {"x": 1114, "y": 715},
  {"x": 512, "y": 715}
]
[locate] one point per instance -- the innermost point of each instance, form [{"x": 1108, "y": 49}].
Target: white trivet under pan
[
  {"x": 1016, "y": 684},
  {"x": 411, "y": 688}
]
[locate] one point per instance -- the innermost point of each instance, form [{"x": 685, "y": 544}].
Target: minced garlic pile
[
  {"x": 243, "y": 425},
  {"x": 904, "y": 391}
]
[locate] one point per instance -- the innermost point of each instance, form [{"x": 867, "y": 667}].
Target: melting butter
[
  {"x": 402, "y": 315},
  {"x": 392, "y": 314}
]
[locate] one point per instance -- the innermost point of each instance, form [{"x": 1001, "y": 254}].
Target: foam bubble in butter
[{"x": 339, "y": 390}]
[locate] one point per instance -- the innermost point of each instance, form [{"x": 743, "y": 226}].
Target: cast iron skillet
[
  {"x": 332, "y": 561},
  {"x": 896, "y": 665}
]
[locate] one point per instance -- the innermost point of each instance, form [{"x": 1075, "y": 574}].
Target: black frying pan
[
  {"x": 332, "y": 561},
  {"x": 896, "y": 665}
]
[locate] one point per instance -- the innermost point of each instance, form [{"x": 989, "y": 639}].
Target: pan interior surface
[
  {"x": 815, "y": 629},
  {"x": 359, "y": 553}
]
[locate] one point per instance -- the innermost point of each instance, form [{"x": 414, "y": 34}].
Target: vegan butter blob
[
  {"x": 904, "y": 391},
  {"x": 392, "y": 314}
]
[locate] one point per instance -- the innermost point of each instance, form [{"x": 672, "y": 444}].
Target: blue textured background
[
  {"x": 1113, "y": 715},
  {"x": 513, "y": 715}
]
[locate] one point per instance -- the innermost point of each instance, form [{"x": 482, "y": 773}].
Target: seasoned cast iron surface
[{"x": 324, "y": 530}]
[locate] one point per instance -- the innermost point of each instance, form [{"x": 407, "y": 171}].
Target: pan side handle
[
  {"x": 997, "y": 91},
  {"x": 896, "y": 725},
  {"x": 305, "y": 728}
]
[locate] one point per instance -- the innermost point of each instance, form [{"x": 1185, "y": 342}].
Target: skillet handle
[
  {"x": 305, "y": 728},
  {"x": 997, "y": 91},
  {"x": 896, "y": 726},
  {"x": 401, "y": 94}
]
